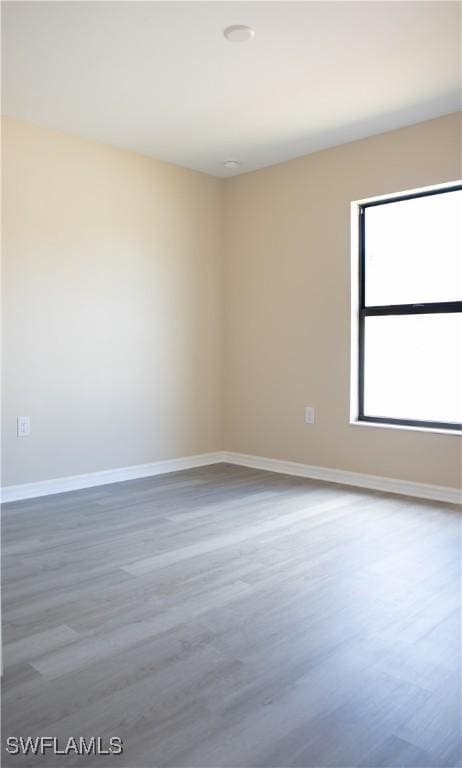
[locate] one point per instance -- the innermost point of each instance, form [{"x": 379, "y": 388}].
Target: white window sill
[{"x": 407, "y": 428}]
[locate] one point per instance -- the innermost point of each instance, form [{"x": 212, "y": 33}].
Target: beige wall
[
  {"x": 111, "y": 307},
  {"x": 287, "y": 302},
  {"x": 113, "y": 295}
]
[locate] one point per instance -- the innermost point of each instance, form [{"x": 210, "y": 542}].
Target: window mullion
[{"x": 412, "y": 309}]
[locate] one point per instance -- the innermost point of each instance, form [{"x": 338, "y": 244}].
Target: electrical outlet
[
  {"x": 23, "y": 426},
  {"x": 309, "y": 414}
]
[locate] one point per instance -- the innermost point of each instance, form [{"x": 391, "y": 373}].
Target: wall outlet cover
[
  {"x": 23, "y": 426},
  {"x": 309, "y": 414}
]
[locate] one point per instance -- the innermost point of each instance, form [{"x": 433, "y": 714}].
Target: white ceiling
[{"x": 159, "y": 77}]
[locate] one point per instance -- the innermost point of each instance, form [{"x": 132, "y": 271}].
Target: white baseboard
[
  {"x": 91, "y": 479},
  {"x": 373, "y": 482},
  {"x": 104, "y": 477}
]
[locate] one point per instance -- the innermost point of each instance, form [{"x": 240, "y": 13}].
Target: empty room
[{"x": 231, "y": 384}]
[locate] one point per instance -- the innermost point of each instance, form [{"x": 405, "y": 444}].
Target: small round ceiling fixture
[
  {"x": 239, "y": 33},
  {"x": 231, "y": 164}
]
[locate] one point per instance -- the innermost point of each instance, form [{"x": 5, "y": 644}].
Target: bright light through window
[
  {"x": 413, "y": 250},
  {"x": 410, "y": 315}
]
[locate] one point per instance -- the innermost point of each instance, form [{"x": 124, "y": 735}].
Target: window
[{"x": 410, "y": 310}]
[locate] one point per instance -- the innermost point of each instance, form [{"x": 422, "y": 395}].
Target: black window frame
[{"x": 423, "y": 308}]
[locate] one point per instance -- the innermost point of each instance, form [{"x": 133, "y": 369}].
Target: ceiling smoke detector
[
  {"x": 239, "y": 33},
  {"x": 231, "y": 164}
]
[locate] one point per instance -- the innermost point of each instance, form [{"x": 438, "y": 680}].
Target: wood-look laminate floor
[{"x": 225, "y": 617}]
